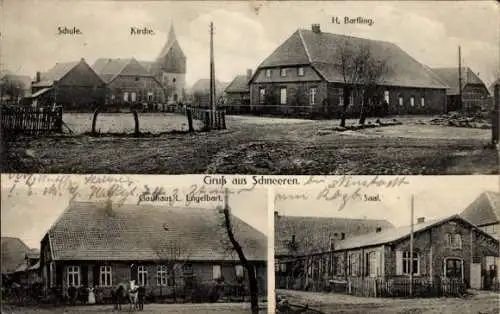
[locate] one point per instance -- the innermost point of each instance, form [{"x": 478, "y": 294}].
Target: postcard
[{"x": 249, "y": 87}]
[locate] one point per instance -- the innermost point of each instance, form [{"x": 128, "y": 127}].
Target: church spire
[{"x": 171, "y": 39}]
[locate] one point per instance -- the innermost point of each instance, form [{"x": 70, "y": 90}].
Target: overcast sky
[
  {"x": 434, "y": 197},
  {"x": 30, "y": 216},
  {"x": 244, "y": 36}
]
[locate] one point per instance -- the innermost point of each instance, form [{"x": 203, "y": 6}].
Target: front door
[{"x": 454, "y": 268}]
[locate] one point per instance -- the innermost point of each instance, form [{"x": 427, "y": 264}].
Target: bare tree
[
  {"x": 361, "y": 72},
  {"x": 235, "y": 245},
  {"x": 12, "y": 88}
]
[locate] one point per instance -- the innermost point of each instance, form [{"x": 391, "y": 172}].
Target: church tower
[{"x": 171, "y": 64}]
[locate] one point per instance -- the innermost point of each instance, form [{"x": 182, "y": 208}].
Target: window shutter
[
  {"x": 95, "y": 275},
  {"x": 85, "y": 275},
  {"x": 399, "y": 263}
]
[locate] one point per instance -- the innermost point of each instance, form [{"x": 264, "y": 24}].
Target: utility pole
[
  {"x": 212, "y": 98},
  {"x": 460, "y": 78},
  {"x": 411, "y": 248}
]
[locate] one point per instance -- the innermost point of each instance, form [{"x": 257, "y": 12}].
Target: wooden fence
[
  {"x": 213, "y": 120},
  {"x": 31, "y": 121}
]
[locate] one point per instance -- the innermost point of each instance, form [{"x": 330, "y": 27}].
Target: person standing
[{"x": 91, "y": 296}]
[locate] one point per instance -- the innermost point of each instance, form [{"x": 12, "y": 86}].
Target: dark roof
[
  {"x": 108, "y": 69},
  {"x": 313, "y": 234},
  {"x": 484, "y": 210},
  {"x": 150, "y": 66},
  {"x": 450, "y": 77},
  {"x": 322, "y": 51},
  {"x": 14, "y": 251},
  {"x": 238, "y": 85},
  {"x": 56, "y": 73},
  {"x": 396, "y": 234},
  {"x": 203, "y": 86},
  {"x": 87, "y": 231}
]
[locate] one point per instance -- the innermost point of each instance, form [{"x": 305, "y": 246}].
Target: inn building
[{"x": 162, "y": 248}]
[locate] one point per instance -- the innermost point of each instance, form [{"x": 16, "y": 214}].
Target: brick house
[
  {"x": 296, "y": 237},
  {"x": 302, "y": 77},
  {"x": 449, "y": 248},
  {"x": 475, "y": 94},
  {"x": 161, "y": 248},
  {"x": 73, "y": 85},
  {"x": 128, "y": 83},
  {"x": 238, "y": 94}
]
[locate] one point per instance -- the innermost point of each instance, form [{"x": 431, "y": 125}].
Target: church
[{"x": 150, "y": 83}]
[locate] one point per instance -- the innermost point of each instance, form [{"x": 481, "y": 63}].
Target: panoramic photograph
[
  {"x": 100, "y": 244},
  {"x": 257, "y": 87},
  {"x": 429, "y": 247}
]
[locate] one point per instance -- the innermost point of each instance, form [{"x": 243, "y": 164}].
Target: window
[
  {"x": 422, "y": 101},
  {"x": 142, "y": 276},
  {"x": 353, "y": 264},
  {"x": 300, "y": 71},
  {"x": 173, "y": 80},
  {"x": 401, "y": 100},
  {"x": 268, "y": 72},
  {"x": 386, "y": 96},
  {"x": 216, "y": 272},
  {"x": 372, "y": 268},
  {"x": 454, "y": 240},
  {"x": 150, "y": 96},
  {"x": 312, "y": 95},
  {"x": 405, "y": 263},
  {"x": 412, "y": 101},
  {"x": 341, "y": 100},
  {"x": 283, "y": 72},
  {"x": 161, "y": 275},
  {"x": 453, "y": 267},
  {"x": 105, "y": 276},
  {"x": 239, "y": 270},
  {"x": 74, "y": 276},
  {"x": 283, "y": 267},
  {"x": 276, "y": 265},
  {"x": 262, "y": 95},
  {"x": 52, "y": 275},
  {"x": 125, "y": 96},
  {"x": 133, "y": 96},
  {"x": 283, "y": 96},
  {"x": 351, "y": 99},
  {"x": 136, "y": 78}
]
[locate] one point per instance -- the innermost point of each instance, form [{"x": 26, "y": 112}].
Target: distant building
[
  {"x": 13, "y": 88},
  {"x": 73, "y": 85},
  {"x": 484, "y": 212},
  {"x": 475, "y": 95},
  {"x": 161, "y": 248},
  {"x": 200, "y": 92},
  {"x": 13, "y": 255},
  {"x": 128, "y": 83},
  {"x": 29, "y": 272},
  {"x": 238, "y": 94},
  {"x": 302, "y": 77}
]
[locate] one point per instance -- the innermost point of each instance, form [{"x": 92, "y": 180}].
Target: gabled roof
[
  {"x": 108, "y": 69},
  {"x": 484, "y": 210},
  {"x": 13, "y": 254},
  {"x": 450, "y": 77},
  {"x": 322, "y": 51},
  {"x": 56, "y": 73},
  {"x": 396, "y": 234},
  {"x": 92, "y": 231},
  {"x": 313, "y": 234},
  {"x": 238, "y": 85}
]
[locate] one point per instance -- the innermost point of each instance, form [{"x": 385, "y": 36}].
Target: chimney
[
  {"x": 378, "y": 229},
  {"x": 249, "y": 74},
  {"x": 420, "y": 220},
  {"x": 316, "y": 28},
  {"x": 38, "y": 76}
]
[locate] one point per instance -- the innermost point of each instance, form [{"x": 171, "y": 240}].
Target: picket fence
[{"x": 31, "y": 121}]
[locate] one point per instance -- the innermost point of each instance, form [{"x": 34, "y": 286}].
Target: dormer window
[
  {"x": 300, "y": 71},
  {"x": 283, "y": 72}
]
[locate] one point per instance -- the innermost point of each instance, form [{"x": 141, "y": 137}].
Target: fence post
[{"x": 189, "y": 118}]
